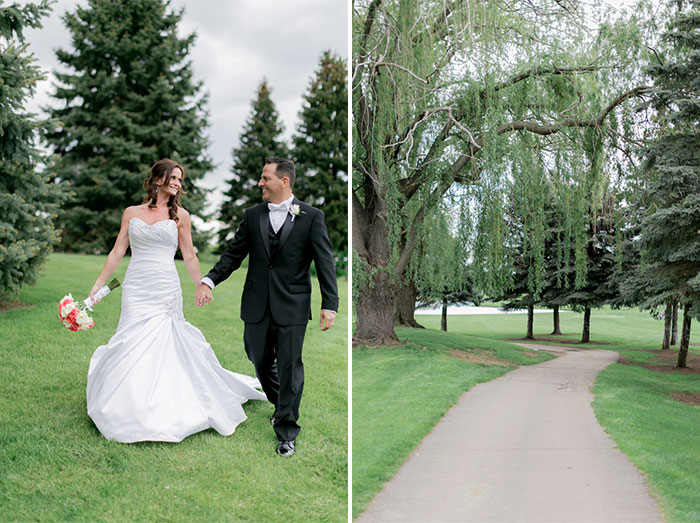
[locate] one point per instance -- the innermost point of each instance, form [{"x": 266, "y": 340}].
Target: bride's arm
[
  {"x": 115, "y": 255},
  {"x": 184, "y": 232}
]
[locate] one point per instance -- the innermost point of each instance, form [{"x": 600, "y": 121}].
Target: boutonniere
[{"x": 295, "y": 211}]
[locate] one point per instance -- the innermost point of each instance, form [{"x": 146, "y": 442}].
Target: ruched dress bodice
[{"x": 158, "y": 379}]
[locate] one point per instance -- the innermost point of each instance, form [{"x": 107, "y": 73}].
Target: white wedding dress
[{"x": 158, "y": 379}]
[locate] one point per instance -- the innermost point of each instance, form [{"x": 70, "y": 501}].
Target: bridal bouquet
[{"x": 74, "y": 315}]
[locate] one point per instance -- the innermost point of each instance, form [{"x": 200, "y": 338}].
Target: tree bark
[
  {"x": 530, "y": 321},
  {"x": 406, "y": 306},
  {"x": 586, "y": 336},
  {"x": 555, "y": 315},
  {"x": 443, "y": 320},
  {"x": 685, "y": 338},
  {"x": 674, "y": 328},
  {"x": 668, "y": 319},
  {"x": 375, "y": 311}
]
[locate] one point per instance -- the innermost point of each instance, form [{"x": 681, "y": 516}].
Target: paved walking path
[{"x": 525, "y": 447}]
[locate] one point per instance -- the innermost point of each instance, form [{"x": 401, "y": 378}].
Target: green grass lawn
[
  {"x": 634, "y": 401},
  {"x": 55, "y": 465}
]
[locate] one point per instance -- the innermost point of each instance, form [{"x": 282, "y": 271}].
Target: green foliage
[
  {"x": 57, "y": 467},
  {"x": 670, "y": 229},
  {"x": 480, "y": 94},
  {"x": 321, "y": 150},
  {"x": 260, "y": 139},
  {"x": 28, "y": 201},
  {"x": 129, "y": 101},
  {"x": 441, "y": 270}
]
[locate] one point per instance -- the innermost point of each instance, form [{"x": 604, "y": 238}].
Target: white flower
[{"x": 295, "y": 210}]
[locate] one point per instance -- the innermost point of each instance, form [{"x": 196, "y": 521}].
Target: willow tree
[{"x": 441, "y": 90}]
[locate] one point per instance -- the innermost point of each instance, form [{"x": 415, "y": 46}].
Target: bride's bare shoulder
[{"x": 134, "y": 211}]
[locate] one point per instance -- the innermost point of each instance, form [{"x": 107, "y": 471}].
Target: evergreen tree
[
  {"x": 321, "y": 150},
  {"x": 260, "y": 139},
  {"x": 670, "y": 238},
  {"x": 130, "y": 101},
  {"x": 28, "y": 201},
  {"x": 600, "y": 287}
]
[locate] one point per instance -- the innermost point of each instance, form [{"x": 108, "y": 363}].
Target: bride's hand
[
  {"x": 203, "y": 295},
  {"x": 94, "y": 289}
]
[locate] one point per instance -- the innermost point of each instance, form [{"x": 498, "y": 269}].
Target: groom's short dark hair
[{"x": 284, "y": 168}]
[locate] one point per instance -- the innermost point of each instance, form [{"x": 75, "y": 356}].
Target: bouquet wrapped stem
[
  {"x": 104, "y": 291},
  {"x": 73, "y": 314}
]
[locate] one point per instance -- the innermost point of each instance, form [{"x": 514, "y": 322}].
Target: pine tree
[
  {"x": 600, "y": 287},
  {"x": 321, "y": 150},
  {"x": 261, "y": 138},
  {"x": 670, "y": 231},
  {"x": 129, "y": 101},
  {"x": 28, "y": 201}
]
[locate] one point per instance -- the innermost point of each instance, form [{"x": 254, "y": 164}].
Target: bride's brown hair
[{"x": 160, "y": 172}]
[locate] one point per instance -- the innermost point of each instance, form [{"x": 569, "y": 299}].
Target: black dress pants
[{"x": 275, "y": 351}]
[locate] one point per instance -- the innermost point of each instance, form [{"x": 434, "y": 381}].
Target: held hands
[
  {"x": 202, "y": 295},
  {"x": 327, "y": 319}
]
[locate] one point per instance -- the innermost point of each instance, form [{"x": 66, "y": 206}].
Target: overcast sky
[{"x": 238, "y": 43}]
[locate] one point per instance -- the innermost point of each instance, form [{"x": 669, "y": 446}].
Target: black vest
[{"x": 274, "y": 239}]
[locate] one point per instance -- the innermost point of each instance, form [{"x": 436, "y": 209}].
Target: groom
[{"x": 282, "y": 237}]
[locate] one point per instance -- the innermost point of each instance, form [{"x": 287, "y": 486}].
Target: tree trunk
[
  {"x": 530, "y": 321},
  {"x": 443, "y": 321},
  {"x": 586, "y": 336},
  {"x": 555, "y": 315},
  {"x": 406, "y": 306},
  {"x": 674, "y": 328},
  {"x": 685, "y": 337},
  {"x": 375, "y": 311},
  {"x": 668, "y": 319}
]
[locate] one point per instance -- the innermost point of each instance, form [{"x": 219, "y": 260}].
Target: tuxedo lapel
[{"x": 264, "y": 226}]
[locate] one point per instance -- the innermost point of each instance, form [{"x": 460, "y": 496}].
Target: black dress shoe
[{"x": 286, "y": 448}]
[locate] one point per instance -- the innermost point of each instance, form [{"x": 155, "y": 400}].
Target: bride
[{"x": 158, "y": 379}]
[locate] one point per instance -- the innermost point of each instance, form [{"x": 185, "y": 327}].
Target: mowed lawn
[
  {"x": 638, "y": 401},
  {"x": 55, "y": 465}
]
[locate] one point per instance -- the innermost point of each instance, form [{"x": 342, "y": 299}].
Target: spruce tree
[
  {"x": 601, "y": 287},
  {"x": 129, "y": 101},
  {"x": 261, "y": 138},
  {"x": 28, "y": 201},
  {"x": 670, "y": 231},
  {"x": 321, "y": 150}
]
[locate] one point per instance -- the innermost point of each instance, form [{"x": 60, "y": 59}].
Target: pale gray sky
[{"x": 238, "y": 43}]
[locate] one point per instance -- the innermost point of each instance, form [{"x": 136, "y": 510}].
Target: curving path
[{"x": 525, "y": 447}]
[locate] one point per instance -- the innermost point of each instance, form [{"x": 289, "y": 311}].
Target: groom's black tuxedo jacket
[{"x": 281, "y": 277}]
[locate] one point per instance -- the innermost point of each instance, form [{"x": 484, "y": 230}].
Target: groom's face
[{"x": 272, "y": 186}]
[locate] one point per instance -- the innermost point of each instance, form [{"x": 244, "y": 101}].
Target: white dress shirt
[{"x": 278, "y": 213}]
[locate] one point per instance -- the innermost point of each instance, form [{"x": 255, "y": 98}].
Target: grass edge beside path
[
  {"x": 656, "y": 432},
  {"x": 401, "y": 392}
]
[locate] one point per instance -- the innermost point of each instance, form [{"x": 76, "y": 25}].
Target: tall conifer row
[
  {"x": 28, "y": 202},
  {"x": 260, "y": 139},
  {"x": 321, "y": 149},
  {"x": 128, "y": 101},
  {"x": 671, "y": 230}
]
